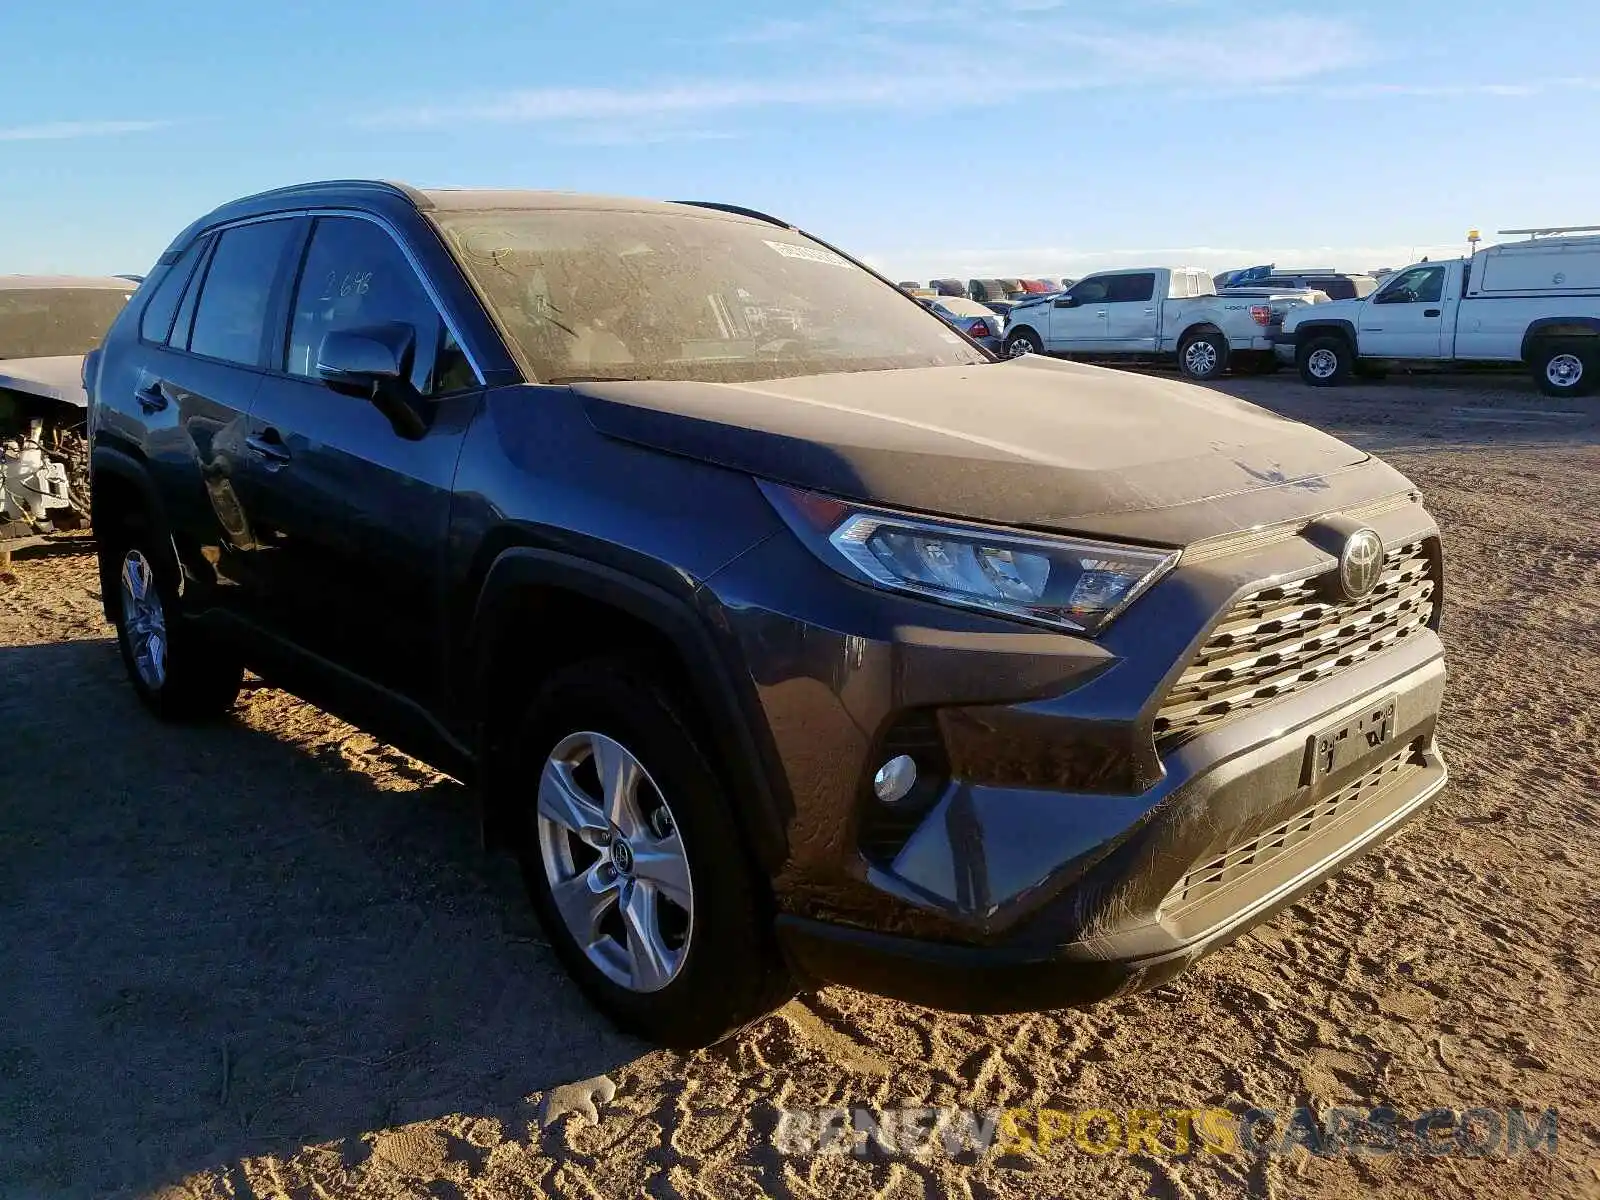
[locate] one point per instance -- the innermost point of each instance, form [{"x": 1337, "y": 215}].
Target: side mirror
[
  {"x": 1067, "y": 302},
  {"x": 373, "y": 362}
]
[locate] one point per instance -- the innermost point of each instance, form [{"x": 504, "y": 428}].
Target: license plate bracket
[{"x": 1353, "y": 738}]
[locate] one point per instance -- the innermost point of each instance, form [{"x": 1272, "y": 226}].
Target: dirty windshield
[
  {"x": 602, "y": 294},
  {"x": 45, "y": 322}
]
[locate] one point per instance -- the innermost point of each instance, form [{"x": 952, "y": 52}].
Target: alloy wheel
[
  {"x": 618, "y": 873},
  {"x": 1020, "y": 348},
  {"x": 1200, "y": 359},
  {"x": 144, "y": 620}
]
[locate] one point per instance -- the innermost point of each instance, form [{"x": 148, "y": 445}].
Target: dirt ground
[{"x": 268, "y": 958}]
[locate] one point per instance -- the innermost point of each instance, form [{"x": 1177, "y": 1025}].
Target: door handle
[
  {"x": 268, "y": 444},
  {"x": 1430, "y": 312},
  {"x": 1102, "y": 313},
  {"x": 150, "y": 398}
]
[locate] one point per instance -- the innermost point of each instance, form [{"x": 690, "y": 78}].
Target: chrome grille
[
  {"x": 1281, "y": 639},
  {"x": 1248, "y": 857}
]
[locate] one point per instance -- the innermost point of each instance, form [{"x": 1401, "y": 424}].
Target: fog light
[{"x": 895, "y": 779}]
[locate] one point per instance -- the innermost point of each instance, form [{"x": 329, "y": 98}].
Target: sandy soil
[{"x": 268, "y": 959}]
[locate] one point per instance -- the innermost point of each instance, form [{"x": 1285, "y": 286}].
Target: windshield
[
  {"x": 601, "y": 294},
  {"x": 46, "y": 322}
]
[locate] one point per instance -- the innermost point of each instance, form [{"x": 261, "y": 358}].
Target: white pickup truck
[
  {"x": 1535, "y": 302},
  {"x": 1153, "y": 312}
]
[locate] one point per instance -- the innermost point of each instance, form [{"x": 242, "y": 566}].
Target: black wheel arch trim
[
  {"x": 1536, "y": 329},
  {"x": 1307, "y": 330},
  {"x": 114, "y": 462},
  {"x": 741, "y": 742}
]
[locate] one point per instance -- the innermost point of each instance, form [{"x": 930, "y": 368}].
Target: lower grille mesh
[{"x": 1251, "y": 856}]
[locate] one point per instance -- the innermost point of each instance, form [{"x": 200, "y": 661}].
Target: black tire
[
  {"x": 1022, "y": 341},
  {"x": 1566, "y": 367},
  {"x": 1317, "y": 370},
  {"x": 198, "y": 680},
  {"x": 731, "y": 973},
  {"x": 1203, "y": 356}
]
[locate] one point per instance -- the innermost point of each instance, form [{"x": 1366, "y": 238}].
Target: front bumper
[
  {"x": 1172, "y": 891},
  {"x": 1060, "y": 853}
]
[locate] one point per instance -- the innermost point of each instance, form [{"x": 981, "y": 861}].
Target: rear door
[
  {"x": 1132, "y": 313},
  {"x": 202, "y": 344},
  {"x": 355, "y": 514},
  {"x": 1406, "y": 317},
  {"x": 1078, "y": 319}
]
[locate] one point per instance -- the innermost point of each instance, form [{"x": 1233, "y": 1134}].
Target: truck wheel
[
  {"x": 632, "y": 858},
  {"x": 1203, "y": 356},
  {"x": 1325, "y": 361},
  {"x": 179, "y": 673},
  {"x": 1566, "y": 368},
  {"x": 1022, "y": 341}
]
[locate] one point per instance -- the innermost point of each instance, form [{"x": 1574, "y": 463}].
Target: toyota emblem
[{"x": 1360, "y": 564}]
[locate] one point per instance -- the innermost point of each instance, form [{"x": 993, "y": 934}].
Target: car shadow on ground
[{"x": 244, "y": 938}]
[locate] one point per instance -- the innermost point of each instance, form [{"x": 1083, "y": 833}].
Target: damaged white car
[{"x": 47, "y": 325}]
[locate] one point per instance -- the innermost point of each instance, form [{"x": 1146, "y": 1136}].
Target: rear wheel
[
  {"x": 1203, "y": 356},
  {"x": 1024, "y": 341},
  {"x": 1325, "y": 361},
  {"x": 179, "y": 673},
  {"x": 1565, "y": 368},
  {"x": 632, "y": 859}
]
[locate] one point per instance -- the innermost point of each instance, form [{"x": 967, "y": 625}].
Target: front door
[
  {"x": 1406, "y": 318},
  {"x": 1078, "y": 319},
  {"x": 355, "y": 516}
]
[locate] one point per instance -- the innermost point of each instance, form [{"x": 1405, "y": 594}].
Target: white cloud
[
  {"x": 58, "y": 131},
  {"x": 928, "y": 57}
]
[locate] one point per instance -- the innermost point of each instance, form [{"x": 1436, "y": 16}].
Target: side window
[
  {"x": 230, "y": 321},
  {"x": 179, "y": 338},
  {"x": 156, "y": 320},
  {"x": 1130, "y": 289},
  {"x": 1335, "y": 288},
  {"x": 1420, "y": 285},
  {"x": 355, "y": 275},
  {"x": 1091, "y": 291}
]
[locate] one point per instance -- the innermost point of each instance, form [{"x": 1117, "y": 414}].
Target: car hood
[
  {"x": 56, "y": 378},
  {"x": 1032, "y": 442}
]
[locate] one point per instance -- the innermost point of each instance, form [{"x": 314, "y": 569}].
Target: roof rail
[
  {"x": 1547, "y": 230},
  {"x": 738, "y": 211},
  {"x": 403, "y": 190}
]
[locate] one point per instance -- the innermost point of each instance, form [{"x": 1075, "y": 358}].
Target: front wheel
[
  {"x": 1565, "y": 368},
  {"x": 1022, "y": 342},
  {"x": 1203, "y": 356},
  {"x": 1325, "y": 361},
  {"x": 632, "y": 859}
]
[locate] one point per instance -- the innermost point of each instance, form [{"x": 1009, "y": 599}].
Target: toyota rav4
[{"x": 788, "y": 636}]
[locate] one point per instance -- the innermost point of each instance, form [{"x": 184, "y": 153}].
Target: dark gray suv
[{"x": 788, "y": 636}]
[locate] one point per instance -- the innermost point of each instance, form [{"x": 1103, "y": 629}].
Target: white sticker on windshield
[{"x": 810, "y": 254}]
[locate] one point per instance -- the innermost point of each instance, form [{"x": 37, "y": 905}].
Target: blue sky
[{"x": 996, "y": 136}]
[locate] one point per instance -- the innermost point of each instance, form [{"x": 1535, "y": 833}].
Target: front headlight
[{"x": 1066, "y": 583}]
